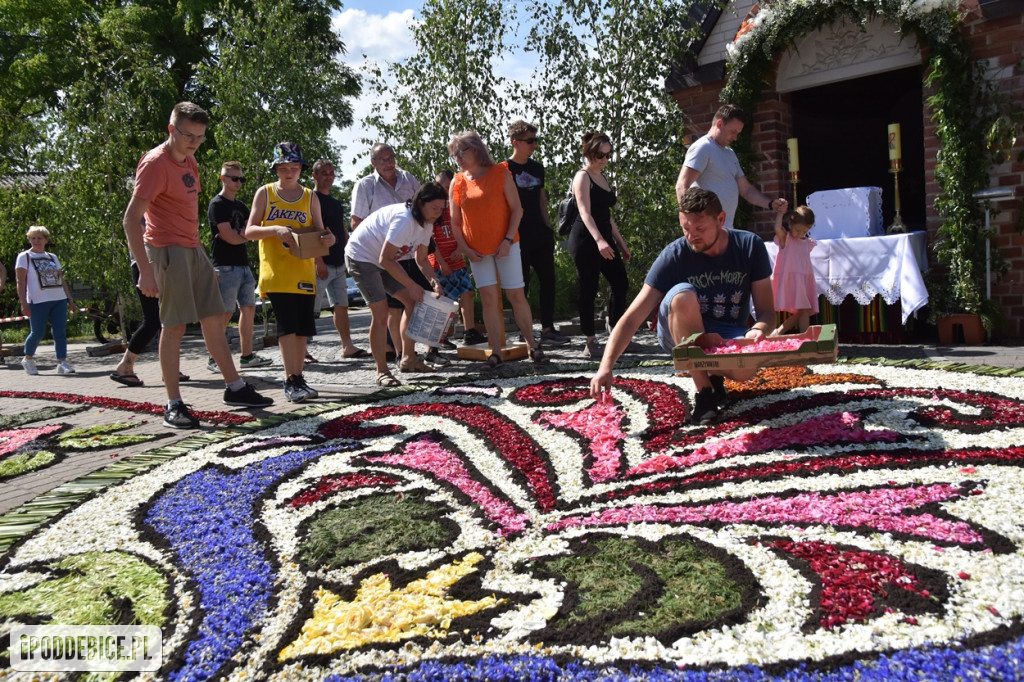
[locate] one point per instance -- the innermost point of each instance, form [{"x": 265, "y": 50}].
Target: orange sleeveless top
[{"x": 485, "y": 211}]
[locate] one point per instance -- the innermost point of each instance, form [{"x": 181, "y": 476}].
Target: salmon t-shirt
[
  {"x": 172, "y": 190},
  {"x": 485, "y": 210}
]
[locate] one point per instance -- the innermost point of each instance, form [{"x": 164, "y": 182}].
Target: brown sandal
[
  {"x": 387, "y": 380},
  {"x": 493, "y": 362}
]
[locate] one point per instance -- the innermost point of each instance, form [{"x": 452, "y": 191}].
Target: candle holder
[
  {"x": 794, "y": 180},
  {"x": 897, "y": 226}
]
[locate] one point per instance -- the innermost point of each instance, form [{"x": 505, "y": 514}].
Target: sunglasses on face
[
  {"x": 528, "y": 140},
  {"x": 603, "y": 155},
  {"x": 240, "y": 179}
]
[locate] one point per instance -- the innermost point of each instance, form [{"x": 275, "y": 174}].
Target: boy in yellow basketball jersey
[{"x": 289, "y": 282}]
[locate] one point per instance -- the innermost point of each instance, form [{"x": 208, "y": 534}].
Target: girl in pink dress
[{"x": 793, "y": 279}]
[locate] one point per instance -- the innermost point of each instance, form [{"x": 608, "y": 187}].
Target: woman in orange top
[{"x": 485, "y": 212}]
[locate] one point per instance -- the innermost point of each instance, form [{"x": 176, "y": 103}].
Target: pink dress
[{"x": 793, "y": 279}]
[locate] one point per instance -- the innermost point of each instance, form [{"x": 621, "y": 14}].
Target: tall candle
[
  {"x": 794, "y": 155},
  {"x": 895, "y": 144}
]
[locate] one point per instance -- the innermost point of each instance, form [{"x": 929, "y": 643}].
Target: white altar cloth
[{"x": 889, "y": 266}]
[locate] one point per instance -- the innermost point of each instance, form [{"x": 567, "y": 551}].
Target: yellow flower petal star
[{"x": 380, "y": 614}]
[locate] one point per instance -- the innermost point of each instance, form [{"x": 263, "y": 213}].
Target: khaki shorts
[{"x": 188, "y": 284}]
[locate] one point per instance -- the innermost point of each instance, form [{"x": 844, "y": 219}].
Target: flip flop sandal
[
  {"x": 183, "y": 377},
  {"x": 126, "y": 379},
  {"x": 360, "y": 353},
  {"x": 309, "y": 360},
  {"x": 386, "y": 380}
]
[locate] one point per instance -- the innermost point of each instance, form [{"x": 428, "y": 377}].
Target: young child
[
  {"x": 450, "y": 266},
  {"x": 793, "y": 279}
]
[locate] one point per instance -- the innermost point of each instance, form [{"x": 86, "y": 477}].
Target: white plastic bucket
[{"x": 430, "y": 319}]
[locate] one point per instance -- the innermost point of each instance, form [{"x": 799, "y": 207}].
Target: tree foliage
[
  {"x": 86, "y": 88},
  {"x": 450, "y": 84},
  {"x": 592, "y": 65}
]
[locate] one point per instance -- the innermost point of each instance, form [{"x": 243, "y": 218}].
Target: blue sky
[{"x": 378, "y": 29}]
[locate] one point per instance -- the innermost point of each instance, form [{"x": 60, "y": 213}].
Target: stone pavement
[{"x": 336, "y": 378}]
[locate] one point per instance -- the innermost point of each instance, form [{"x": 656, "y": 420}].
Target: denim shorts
[
  {"x": 335, "y": 286},
  {"x": 728, "y": 330},
  {"x": 237, "y": 285},
  {"x": 509, "y": 268},
  {"x": 455, "y": 284}
]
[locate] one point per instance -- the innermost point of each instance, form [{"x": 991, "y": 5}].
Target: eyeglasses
[
  {"x": 188, "y": 137},
  {"x": 603, "y": 155},
  {"x": 462, "y": 152},
  {"x": 240, "y": 179},
  {"x": 529, "y": 140}
]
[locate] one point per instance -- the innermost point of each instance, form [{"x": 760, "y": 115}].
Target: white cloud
[{"x": 381, "y": 37}]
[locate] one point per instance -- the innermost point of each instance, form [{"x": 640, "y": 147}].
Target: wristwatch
[{"x": 508, "y": 239}]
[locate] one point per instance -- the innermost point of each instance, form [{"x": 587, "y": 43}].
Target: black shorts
[{"x": 294, "y": 313}]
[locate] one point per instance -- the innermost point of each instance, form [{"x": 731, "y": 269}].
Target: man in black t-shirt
[
  {"x": 230, "y": 257},
  {"x": 536, "y": 238},
  {"x": 331, "y": 277}
]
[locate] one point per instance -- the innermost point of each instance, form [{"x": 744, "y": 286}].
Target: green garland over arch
[{"x": 961, "y": 162}]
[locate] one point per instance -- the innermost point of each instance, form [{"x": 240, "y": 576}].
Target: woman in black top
[{"x": 596, "y": 245}]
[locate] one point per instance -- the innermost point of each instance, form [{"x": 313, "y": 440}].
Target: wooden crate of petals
[{"x": 710, "y": 352}]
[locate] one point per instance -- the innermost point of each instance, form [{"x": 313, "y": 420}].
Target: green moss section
[
  {"x": 95, "y": 588},
  {"x": 13, "y": 421},
  {"x": 672, "y": 584},
  {"x": 367, "y": 528},
  {"x": 97, "y": 437},
  {"x": 19, "y": 464}
]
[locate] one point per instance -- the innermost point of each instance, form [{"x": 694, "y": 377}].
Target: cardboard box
[
  {"x": 308, "y": 240},
  {"x": 818, "y": 346}
]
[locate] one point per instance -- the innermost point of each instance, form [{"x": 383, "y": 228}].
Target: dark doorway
[{"x": 842, "y": 128}]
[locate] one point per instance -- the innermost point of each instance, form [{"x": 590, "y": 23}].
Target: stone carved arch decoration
[{"x": 845, "y": 50}]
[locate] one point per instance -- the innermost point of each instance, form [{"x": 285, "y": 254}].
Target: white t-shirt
[
  {"x": 719, "y": 171},
  {"x": 45, "y": 282},
  {"x": 393, "y": 224}
]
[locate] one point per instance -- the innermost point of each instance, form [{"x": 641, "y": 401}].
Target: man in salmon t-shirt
[{"x": 173, "y": 264}]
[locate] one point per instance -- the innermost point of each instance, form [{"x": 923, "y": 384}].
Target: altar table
[{"x": 889, "y": 266}]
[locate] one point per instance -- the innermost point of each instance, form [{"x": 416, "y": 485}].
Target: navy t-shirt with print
[{"x": 722, "y": 282}]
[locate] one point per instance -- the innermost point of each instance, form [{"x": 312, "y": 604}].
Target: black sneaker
[
  {"x": 311, "y": 392},
  {"x": 177, "y": 416},
  {"x": 473, "y": 338},
  {"x": 721, "y": 392},
  {"x": 448, "y": 345},
  {"x": 704, "y": 409},
  {"x": 246, "y": 396}
]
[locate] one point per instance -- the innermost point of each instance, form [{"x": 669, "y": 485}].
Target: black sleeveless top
[{"x": 601, "y": 202}]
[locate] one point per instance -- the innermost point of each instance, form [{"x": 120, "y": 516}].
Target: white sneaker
[
  {"x": 212, "y": 365},
  {"x": 64, "y": 368},
  {"x": 30, "y": 365}
]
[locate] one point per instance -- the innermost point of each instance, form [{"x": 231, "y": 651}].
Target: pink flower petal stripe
[
  {"x": 510, "y": 441},
  {"x": 12, "y": 439},
  {"x": 426, "y": 455},
  {"x": 601, "y": 425},
  {"x": 837, "y": 427},
  {"x": 881, "y": 508}
]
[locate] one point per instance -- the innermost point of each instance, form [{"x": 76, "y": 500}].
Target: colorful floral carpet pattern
[{"x": 840, "y": 522}]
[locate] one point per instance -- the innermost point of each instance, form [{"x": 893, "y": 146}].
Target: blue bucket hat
[{"x": 287, "y": 152}]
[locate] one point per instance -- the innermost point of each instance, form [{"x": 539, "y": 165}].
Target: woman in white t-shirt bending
[
  {"x": 371, "y": 257},
  {"x": 45, "y": 297}
]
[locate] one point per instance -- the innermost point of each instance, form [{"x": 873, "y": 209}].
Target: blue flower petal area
[
  {"x": 993, "y": 662},
  {"x": 207, "y": 518}
]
